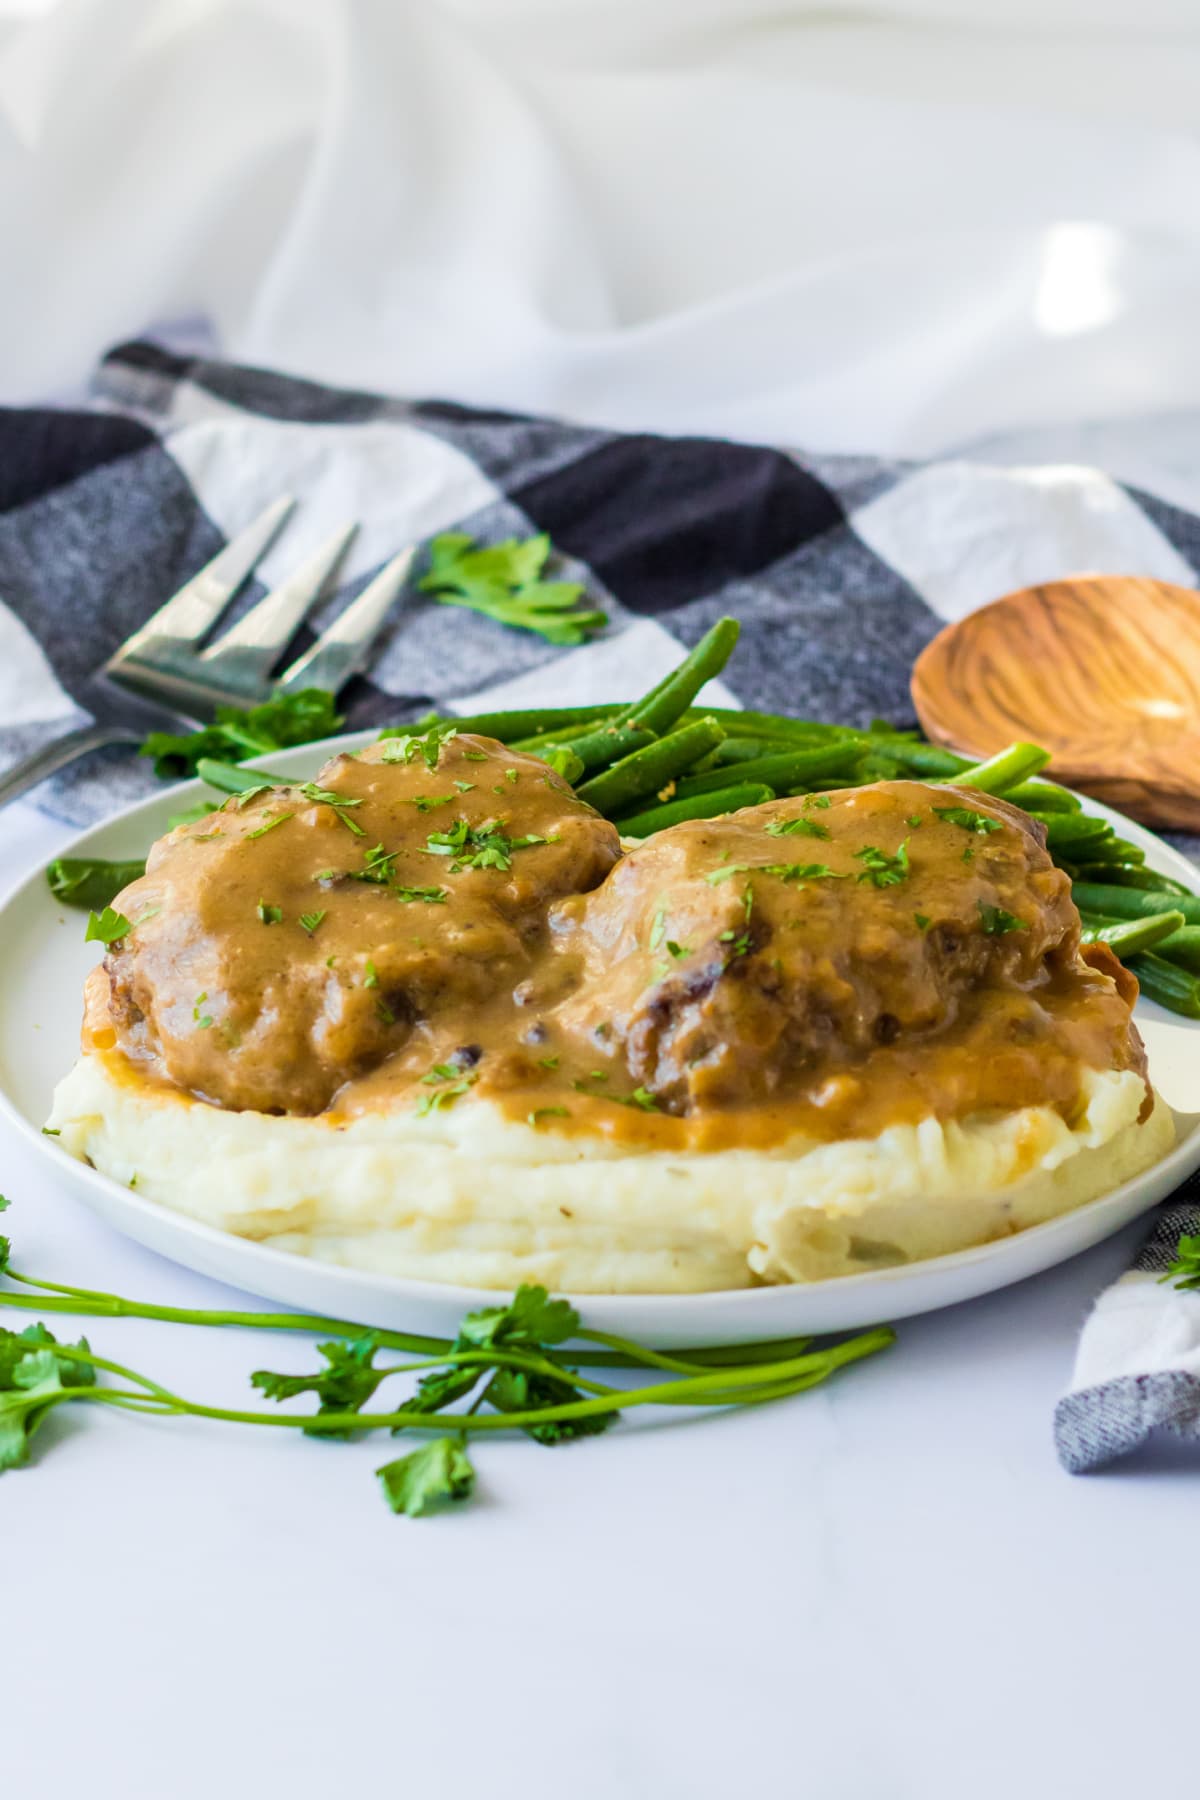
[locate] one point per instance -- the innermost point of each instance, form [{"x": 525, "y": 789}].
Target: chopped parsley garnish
[
  {"x": 505, "y": 582},
  {"x": 968, "y": 854},
  {"x": 269, "y": 824},
  {"x": 383, "y": 1011},
  {"x": 406, "y": 746},
  {"x": 449, "y": 1082},
  {"x": 107, "y": 927},
  {"x": 310, "y": 921},
  {"x": 547, "y": 1112},
  {"x": 969, "y": 819},
  {"x": 641, "y": 1098},
  {"x": 482, "y": 846},
  {"x": 426, "y": 802},
  {"x": 270, "y": 915},
  {"x": 881, "y": 869},
  {"x": 800, "y": 827},
  {"x": 465, "y": 787},
  {"x": 923, "y": 921},
  {"x": 427, "y": 896},
  {"x": 821, "y": 800},
  {"x": 914, "y": 819},
  {"x": 677, "y": 950},
  {"x": 781, "y": 871},
  {"x": 371, "y": 978},
  {"x": 547, "y": 1062},
  {"x": 996, "y": 922},
  {"x": 337, "y": 802},
  {"x": 377, "y": 865},
  {"x": 242, "y": 801},
  {"x": 203, "y": 1020}
]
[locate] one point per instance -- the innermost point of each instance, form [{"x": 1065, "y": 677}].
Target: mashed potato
[{"x": 470, "y": 1196}]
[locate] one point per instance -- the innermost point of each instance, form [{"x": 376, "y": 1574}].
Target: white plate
[{"x": 43, "y": 961}]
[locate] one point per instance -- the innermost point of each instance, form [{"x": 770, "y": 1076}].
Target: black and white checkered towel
[{"x": 840, "y": 569}]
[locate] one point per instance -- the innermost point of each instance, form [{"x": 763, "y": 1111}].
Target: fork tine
[
  {"x": 190, "y": 612},
  {"x": 344, "y": 648},
  {"x": 248, "y": 650}
]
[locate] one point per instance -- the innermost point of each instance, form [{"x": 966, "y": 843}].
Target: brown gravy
[{"x": 397, "y": 935}]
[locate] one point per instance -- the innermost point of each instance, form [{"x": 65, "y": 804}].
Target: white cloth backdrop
[{"x": 889, "y": 228}]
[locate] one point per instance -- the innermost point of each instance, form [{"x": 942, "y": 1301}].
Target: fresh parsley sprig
[
  {"x": 1184, "y": 1269},
  {"x": 240, "y": 732},
  {"x": 506, "y": 582},
  {"x": 512, "y": 1357}
]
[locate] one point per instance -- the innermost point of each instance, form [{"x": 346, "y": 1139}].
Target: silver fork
[{"x": 160, "y": 680}]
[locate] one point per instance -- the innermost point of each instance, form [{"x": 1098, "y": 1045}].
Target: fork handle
[{"x": 56, "y": 755}]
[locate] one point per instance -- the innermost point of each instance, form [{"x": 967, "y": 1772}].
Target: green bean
[
  {"x": 1173, "y": 988},
  {"x": 1135, "y": 902},
  {"x": 1006, "y": 769},
  {"x": 786, "y": 770},
  {"x": 700, "y": 806},
  {"x": 1127, "y": 874},
  {"x": 925, "y": 761},
  {"x": 233, "y": 778},
  {"x": 1066, "y": 830},
  {"x": 661, "y": 707},
  {"x": 1132, "y": 935},
  {"x": 773, "y": 730},
  {"x": 617, "y": 788},
  {"x": 603, "y": 745},
  {"x": 1043, "y": 797},
  {"x": 1182, "y": 946},
  {"x": 524, "y": 722}
]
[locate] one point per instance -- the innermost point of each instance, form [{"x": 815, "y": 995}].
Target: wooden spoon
[{"x": 1103, "y": 670}]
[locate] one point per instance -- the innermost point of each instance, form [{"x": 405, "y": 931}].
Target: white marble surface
[{"x": 885, "y": 1586}]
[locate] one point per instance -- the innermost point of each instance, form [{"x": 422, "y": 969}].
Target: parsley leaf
[
  {"x": 478, "y": 846},
  {"x": 450, "y": 1082},
  {"x": 440, "y": 1471},
  {"x": 345, "y": 1385},
  {"x": 996, "y": 921},
  {"x": 881, "y": 869},
  {"x": 269, "y": 824},
  {"x": 90, "y": 881},
  {"x": 782, "y": 871},
  {"x": 969, "y": 819},
  {"x": 33, "y": 1380},
  {"x": 338, "y": 802},
  {"x": 270, "y": 915},
  {"x": 237, "y": 733},
  {"x": 522, "y": 1390},
  {"x": 800, "y": 827},
  {"x": 530, "y": 1318},
  {"x": 310, "y": 921},
  {"x": 1185, "y": 1267},
  {"x": 505, "y": 582},
  {"x": 406, "y": 746},
  {"x": 108, "y": 927}
]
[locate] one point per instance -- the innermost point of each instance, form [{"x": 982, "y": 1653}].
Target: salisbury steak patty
[
  {"x": 751, "y": 957},
  {"x": 291, "y": 941}
]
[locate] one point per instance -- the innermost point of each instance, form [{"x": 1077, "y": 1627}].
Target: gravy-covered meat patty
[
  {"x": 291, "y": 941},
  {"x": 397, "y": 934},
  {"x": 877, "y": 953}
]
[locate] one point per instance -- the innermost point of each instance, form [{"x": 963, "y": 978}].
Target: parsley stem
[
  {"x": 735, "y": 1386},
  {"x": 618, "y": 1353}
]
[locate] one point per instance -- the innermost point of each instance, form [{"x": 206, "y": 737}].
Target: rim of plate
[{"x": 1185, "y": 1155}]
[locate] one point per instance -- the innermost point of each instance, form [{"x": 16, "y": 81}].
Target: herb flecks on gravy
[{"x": 456, "y": 925}]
